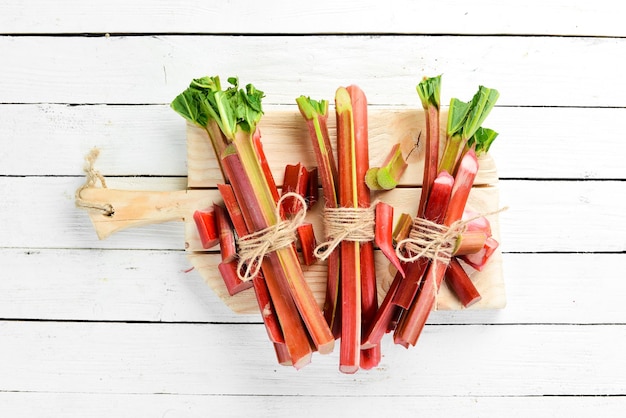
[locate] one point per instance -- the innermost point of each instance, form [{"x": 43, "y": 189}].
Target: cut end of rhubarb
[
  {"x": 301, "y": 362},
  {"x": 348, "y": 369},
  {"x": 473, "y": 301},
  {"x": 309, "y": 108},
  {"x": 371, "y": 179},
  {"x": 326, "y": 348},
  {"x": 343, "y": 101}
]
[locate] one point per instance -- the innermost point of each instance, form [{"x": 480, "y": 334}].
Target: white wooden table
[{"x": 118, "y": 328}]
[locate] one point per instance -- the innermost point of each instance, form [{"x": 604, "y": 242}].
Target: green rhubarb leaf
[
  {"x": 195, "y": 103},
  {"x": 206, "y": 84},
  {"x": 429, "y": 91},
  {"x": 310, "y": 107},
  {"x": 457, "y": 114},
  {"x": 231, "y": 109},
  {"x": 482, "y": 140},
  {"x": 189, "y": 104},
  {"x": 480, "y": 106}
]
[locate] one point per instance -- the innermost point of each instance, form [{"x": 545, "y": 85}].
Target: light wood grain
[
  {"x": 534, "y": 17},
  {"x": 135, "y": 208},
  {"x": 529, "y": 71}
]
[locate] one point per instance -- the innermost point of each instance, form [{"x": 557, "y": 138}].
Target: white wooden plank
[
  {"x": 63, "y": 405},
  {"x": 39, "y": 212},
  {"x": 102, "y": 285},
  {"x": 43, "y": 210},
  {"x": 534, "y": 71},
  {"x": 150, "y": 140},
  {"x": 562, "y": 216},
  {"x": 237, "y": 359},
  {"x": 107, "y": 286},
  {"x": 369, "y": 16}
]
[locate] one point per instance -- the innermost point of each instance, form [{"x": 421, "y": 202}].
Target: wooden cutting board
[{"x": 286, "y": 141}]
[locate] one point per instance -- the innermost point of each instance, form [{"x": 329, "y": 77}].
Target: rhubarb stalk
[
  {"x": 349, "y": 354},
  {"x": 387, "y": 176},
  {"x": 315, "y": 114},
  {"x": 369, "y": 293},
  {"x": 429, "y": 92}
]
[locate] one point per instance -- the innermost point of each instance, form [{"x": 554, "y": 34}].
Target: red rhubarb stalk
[
  {"x": 296, "y": 180},
  {"x": 369, "y": 293},
  {"x": 234, "y": 285},
  {"x": 479, "y": 259},
  {"x": 265, "y": 167},
  {"x": 460, "y": 284},
  {"x": 384, "y": 234},
  {"x": 315, "y": 114},
  {"x": 349, "y": 354},
  {"x": 228, "y": 247},
  {"x": 387, "y": 311},
  {"x": 233, "y": 209},
  {"x": 429, "y": 92},
  {"x": 228, "y": 251},
  {"x": 207, "y": 228},
  {"x": 306, "y": 237},
  {"x": 313, "y": 191}
]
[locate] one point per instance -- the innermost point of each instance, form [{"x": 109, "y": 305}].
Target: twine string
[
  {"x": 346, "y": 224},
  {"x": 429, "y": 239},
  {"x": 435, "y": 242},
  {"x": 255, "y": 246},
  {"x": 92, "y": 177}
]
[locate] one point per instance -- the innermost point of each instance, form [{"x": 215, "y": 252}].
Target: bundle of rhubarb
[
  {"x": 264, "y": 239},
  {"x": 431, "y": 244},
  {"x": 352, "y": 224},
  {"x": 256, "y": 236}
]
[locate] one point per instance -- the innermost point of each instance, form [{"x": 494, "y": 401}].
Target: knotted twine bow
[
  {"x": 434, "y": 241},
  {"x": 255, "y": 246},
  {"x": 431, "y": 240},
  {"x": 93, "y": 176},
  {"x": 346, "y": 224}
]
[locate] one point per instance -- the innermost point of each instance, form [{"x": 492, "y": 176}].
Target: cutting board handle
[{"x": 112, "y": 210}]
